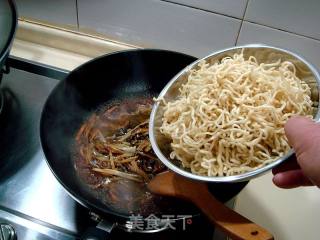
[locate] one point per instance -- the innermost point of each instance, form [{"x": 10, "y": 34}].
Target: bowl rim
[{"x": 234, "y": 178}]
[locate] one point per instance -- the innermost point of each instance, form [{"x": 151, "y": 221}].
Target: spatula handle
[{"x": 229, "y": 221}]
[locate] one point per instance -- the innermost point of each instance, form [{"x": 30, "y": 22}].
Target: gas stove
[{"x": 33, "y": 205}]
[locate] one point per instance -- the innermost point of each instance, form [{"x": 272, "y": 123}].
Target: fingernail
[{"x": 276, "y": 178}]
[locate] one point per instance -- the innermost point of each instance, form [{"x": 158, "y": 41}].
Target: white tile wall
[
  {"x": 159, "y": 24},
  {"x": 302, "y": 17},
  {"x": 306, "y": 47},
  {"x": 57, "y": 11},
  {"x": 234, "y": 8}
]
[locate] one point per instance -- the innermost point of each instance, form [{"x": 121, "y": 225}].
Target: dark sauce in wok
[{"x": 115, "y": 159}]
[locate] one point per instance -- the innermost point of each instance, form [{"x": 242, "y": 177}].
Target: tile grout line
[
  {"x": 77, "y": 9},
  {"x": 282, "y": 30},
  {"x": 201, "y": 9},
  {"x": 242, "y": 20},
  {"x": 244, "y": 14}
]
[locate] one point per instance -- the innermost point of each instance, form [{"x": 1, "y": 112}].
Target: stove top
[
  {"x": 30, "y": 195},
  {"x": 33, "y": 205}
]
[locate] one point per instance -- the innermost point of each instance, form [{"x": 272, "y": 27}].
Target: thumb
[{"x": 304, "y": 136}]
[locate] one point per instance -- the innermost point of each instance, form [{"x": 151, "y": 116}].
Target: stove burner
[{"x": 7, "y": 232}]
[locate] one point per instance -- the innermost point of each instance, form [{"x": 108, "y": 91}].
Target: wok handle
[
  {"x": 5, "y": 68},
  {"x": 93, "y": 233},
  {"x": 232, "y": 223},
  {"x": 100, "y": 232}
]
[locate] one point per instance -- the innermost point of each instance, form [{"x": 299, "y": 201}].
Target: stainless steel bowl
[{"x": 263, "y": 53}]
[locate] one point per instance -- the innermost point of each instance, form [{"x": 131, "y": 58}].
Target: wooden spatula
[{"x": 230, "y": 222}]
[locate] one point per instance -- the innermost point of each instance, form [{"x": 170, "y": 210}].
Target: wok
[
  {"x": 117, "y": 76},
  {"x": 8, "y": 23}
]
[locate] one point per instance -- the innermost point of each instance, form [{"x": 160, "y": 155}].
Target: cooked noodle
[{"x": 230, "y": 115}]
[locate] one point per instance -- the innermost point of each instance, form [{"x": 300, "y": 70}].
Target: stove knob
[{"x": 7, "y": 232}]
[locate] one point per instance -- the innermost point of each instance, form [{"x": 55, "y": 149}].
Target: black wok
[
  {"x": 116, "y": 76},
  {"x": 8, "y": 23}
]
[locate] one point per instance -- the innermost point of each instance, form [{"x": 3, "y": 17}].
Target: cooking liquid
[{"x": 123, "y": 195}]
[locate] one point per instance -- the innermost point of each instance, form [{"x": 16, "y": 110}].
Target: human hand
[{"x": 304, "y": 168}]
